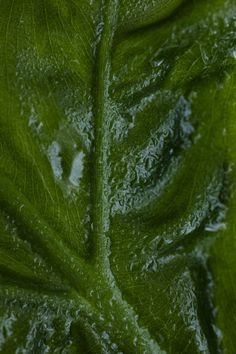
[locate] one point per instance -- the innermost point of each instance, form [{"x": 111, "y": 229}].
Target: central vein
[{"x": 100, "y": 190}]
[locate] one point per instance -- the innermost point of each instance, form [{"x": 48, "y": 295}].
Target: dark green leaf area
[{"x": 117, "y": 146}]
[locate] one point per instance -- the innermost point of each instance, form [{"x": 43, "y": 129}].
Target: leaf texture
[{"x": 116, "y": 185}]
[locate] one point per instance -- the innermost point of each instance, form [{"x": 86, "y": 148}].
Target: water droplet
[{"x": 77, "y": 169}]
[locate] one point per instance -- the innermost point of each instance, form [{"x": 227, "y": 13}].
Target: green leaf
[{"x": 117, "y": 144}]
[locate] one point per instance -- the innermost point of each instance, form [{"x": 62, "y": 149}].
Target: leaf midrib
[{"x": 100, "y": 203}]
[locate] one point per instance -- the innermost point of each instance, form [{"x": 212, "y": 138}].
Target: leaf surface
[{"x": 117, "y": 144}]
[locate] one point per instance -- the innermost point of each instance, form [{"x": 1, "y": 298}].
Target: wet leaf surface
[{"x": 117, "y": 145}]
